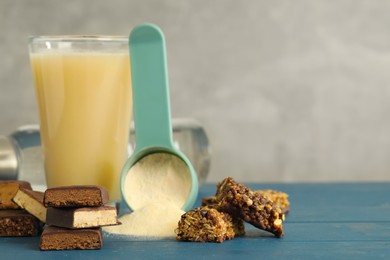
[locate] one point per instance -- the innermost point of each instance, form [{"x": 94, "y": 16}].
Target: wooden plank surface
[{"x": 327, "y": 221}]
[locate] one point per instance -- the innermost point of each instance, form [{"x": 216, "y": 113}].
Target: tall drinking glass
[{"x": 83, "y": 91}]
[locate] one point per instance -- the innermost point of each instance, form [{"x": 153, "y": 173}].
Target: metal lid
[{"x": 8, "y": 160}]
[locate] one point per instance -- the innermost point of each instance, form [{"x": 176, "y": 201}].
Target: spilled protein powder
[{"x": 156, "y": 188}]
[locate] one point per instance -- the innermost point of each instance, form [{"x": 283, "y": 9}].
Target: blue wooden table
[{"x": 327, "y": 221}]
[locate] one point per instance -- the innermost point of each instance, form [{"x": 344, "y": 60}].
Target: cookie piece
[
  {"x": 85, "y": 217},
  {"x": 55, "y": 238},
  {"x": 8, "y": 190},
  {"x": 205, "y": 224},
  {"x": 277, "y": 197},
  {"x": 250, "y": 206},
  {"x": 31, "y": 201},
  {"x": 76, "y": 196},
  {"x": 18, "y": 223}
]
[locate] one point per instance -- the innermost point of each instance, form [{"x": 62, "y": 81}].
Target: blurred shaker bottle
[
  {"x": 21, "y": 152},
  {"x": 21, "y": 156}
]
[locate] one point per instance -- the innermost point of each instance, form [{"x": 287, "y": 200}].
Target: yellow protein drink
[{"x": 85, "y": 108}]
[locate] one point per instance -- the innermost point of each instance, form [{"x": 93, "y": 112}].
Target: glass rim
[{"x": 78, "y": 38}]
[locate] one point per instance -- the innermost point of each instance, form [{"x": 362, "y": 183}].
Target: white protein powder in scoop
[{"x": 156, "y": 187}]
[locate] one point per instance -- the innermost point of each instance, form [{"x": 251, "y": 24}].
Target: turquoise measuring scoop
[{"x": 141, "y": 181}]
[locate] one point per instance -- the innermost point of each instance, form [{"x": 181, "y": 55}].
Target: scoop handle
[{"x": 152, "y": 120}]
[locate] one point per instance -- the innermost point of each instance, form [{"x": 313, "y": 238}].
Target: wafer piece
[
  {"x": 18, "y": 223},
  {"x": 32, "y": 201},
  {"x": 8, "y": 190},
  {"x": 76, "y": 196},
  {"x": 82, "y": 217},
  {"x": 205, "y": 225},
  {"x": 55, "y": 238},
  {"x": 242, "y": 202},
  {"x": 277, "y": 197}
]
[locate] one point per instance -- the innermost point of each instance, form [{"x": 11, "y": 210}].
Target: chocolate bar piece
[
  {"x": 82, "y": 217},
  {"x": 8, "y": 190},
  {"x": 277, "y": 197},
  {"x": 32, "y": 201},
  {"x": 76, "y": 196},
  {"x": 18, "y": 223},
  {"x": 250, "y": 206},
  {"x": 205, "y": 225},
  {"x": 55, "y": 238}
]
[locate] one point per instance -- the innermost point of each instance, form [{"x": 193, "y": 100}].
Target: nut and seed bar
[
  {"x": 32, "y": 202},
  {"x": 205, "y": 224},
  {"x": 209, "y": 201},
  {"x": 55, "y": 238},
  {"x": 18, "y": 223},
  {"x": 8, "y": 190},
  {"x": 250, "y": 206},
  {"x": 237, "y": 223},
  {"x": 76, "y": 196},
  {"x": 277, "y": 197}
]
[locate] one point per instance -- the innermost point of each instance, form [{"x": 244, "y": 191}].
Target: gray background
[{"x": 287, "y": 90}]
